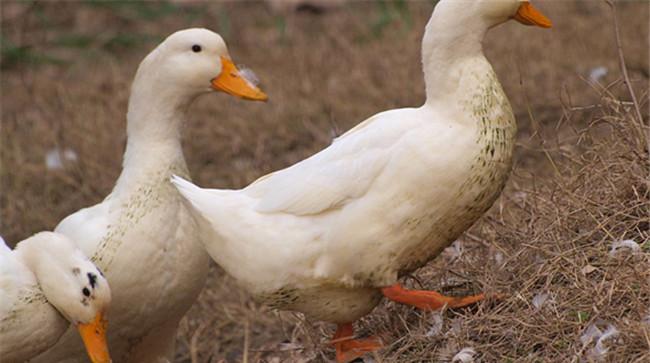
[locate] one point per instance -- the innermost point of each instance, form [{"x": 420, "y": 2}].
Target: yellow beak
[
  {"x": 231, "y": 81},
  {"x": 94, "y": 337},
  {"x": 528, "y": 15}
]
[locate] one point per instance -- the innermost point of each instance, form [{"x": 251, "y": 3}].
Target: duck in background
[
  {"x": 47, "y": 283},
  {"x": 331, "y": 235},
  {"x": 141, "y": 235}
]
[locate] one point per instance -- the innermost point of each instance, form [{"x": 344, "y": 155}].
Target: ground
[{"x": 579, "y": 184}]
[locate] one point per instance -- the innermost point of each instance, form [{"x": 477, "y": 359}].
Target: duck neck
[
  {"x": 36, "y": 252},
  {"x": 154, "y": 121},
  {"x": 447, "y": 43},
  {"x": 30, "y": 255}
]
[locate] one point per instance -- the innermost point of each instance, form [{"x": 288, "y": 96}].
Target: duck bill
[
  {"x": 231, "y": 82},
  {"x": 93, "y": 335},
  {"x": 528, "y": 15}
]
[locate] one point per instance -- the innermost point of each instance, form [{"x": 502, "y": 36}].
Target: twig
[
  {"x": 194, "y": 350},
  {"x": 246, "y": 341},
  {"x": 535, "y": 124},
  {"x": 626, "y": 78}
]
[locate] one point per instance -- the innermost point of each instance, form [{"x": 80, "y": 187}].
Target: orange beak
[
  {"x": 528, "y": 15},
  {"x": 231, "y": 81},
  {"x": 94, "y": 337}
]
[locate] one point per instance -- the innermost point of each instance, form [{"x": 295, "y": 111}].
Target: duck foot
[
  {"x": 349, "y": 349},
  {"x": 427, "y": 300}
]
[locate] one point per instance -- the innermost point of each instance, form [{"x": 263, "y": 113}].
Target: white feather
[
  {"x": 628, "y": 244},
  {"x": 591, "y": 334},
  {"x": 55, "y": 159},
  {"x": 466, "y": 355},
  {"x": 594, "y": 335},
  {"x": 541, "y": 299},
  {"x": 249, "y": 76},
  {"x": 597, "y": 73},
  {"x": 437, "y": 324},
  {"x": 454, "y": 251}
]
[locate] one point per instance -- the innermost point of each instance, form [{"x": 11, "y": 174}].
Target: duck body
[
  {"x": 45, "y": 285},
  {"x": 324, "y": 235},
  {"x": 145, "y": 242},
  {"x": 141, "y": 234},
  {"x": 41, "y": 326},
  {"x": 25, "y": 314}
]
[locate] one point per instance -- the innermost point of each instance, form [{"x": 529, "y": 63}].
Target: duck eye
[
  {"x": 196, "y": 48},
  {"x": 85, "y": 291}
]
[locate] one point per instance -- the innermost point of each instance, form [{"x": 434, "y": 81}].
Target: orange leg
[
  {"x": 427, "y": 300},
  {"x": 348, "y": 348}
]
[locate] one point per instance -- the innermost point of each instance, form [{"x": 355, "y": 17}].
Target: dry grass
[
  {"x": 553, "y": 236},
  {"x": 579, "y": 184}
]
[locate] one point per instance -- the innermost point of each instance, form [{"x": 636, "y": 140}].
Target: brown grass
[{"x": 580, "y": 181}]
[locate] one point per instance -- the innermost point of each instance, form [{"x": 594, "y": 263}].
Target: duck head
[
  {"x": 196, "y": 61},
  {"x": 73, "y": 285},
  {"x": 528, "y": 15},
  {"x": 456, "y": 31},
  {"x": 489, "y": 13}
]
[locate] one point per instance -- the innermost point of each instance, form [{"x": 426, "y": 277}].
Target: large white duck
[
  {"x": 329, "y": 236},
  {"x": 47, "y": 283},
  {"x": 141, "y": 235}
]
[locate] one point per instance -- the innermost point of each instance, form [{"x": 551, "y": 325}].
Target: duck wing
[{"x": 328, "y": 180}]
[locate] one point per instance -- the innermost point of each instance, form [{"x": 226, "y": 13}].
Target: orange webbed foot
[
  {"x": 427, "y": 300},
  {"x": 348, "y": 348}
]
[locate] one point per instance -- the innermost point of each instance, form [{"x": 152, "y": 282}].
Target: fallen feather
[
  {"x": 54, "y": 158},
  {"x": 289, "y": 346},
  {"x": 588, "y": 269},
  {"x": 627, "y": 244},
  {"x": 436, "y": 326},
  {"x": 455, "y": 327},
  {"x": 540, "y": 299},
  {"x": 597, "y": 73},
  {"x": 466, "y": 355},
  {"x": 646, "y": 318},
  {"x": 454, "y": 251},
  {"x": 600, "y": 350},
  {"x": 592, "y": 333},
  {"x": 519, "y": 196},
  {"x": 498, "y": 258},
  {"x": 610, "y": 332}
]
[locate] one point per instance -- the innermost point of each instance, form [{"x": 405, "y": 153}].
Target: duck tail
[
  {"x": 213, "y": 211},
  {"x": 205, "y": 203},
  {"x": 185, "y": 187},
  {"x": 4, "y": 248},
  {"x": 190, "y": 192}
]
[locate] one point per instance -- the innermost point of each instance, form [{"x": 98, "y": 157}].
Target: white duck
[
  {"x": 141, "y": 235},
  {"x": 46, "y": 283},
  {"x": 329, "y": 235}
]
